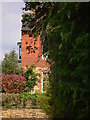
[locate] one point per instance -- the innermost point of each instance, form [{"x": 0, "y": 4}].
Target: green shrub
[
  {"x": 26, "y": 96},
  {"x": 10, "y": 100},
  {"x": 43, "y": 102},
  {"x": 23, "y": 100}
]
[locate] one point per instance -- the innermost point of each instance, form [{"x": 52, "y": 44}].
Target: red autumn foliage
[{"x": 12, "y": 83}]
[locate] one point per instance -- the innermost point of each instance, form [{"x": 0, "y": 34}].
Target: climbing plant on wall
[{"x": 31, "y": 78}]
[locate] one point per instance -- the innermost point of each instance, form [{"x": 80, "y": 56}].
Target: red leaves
[{"x": 12, "y": 83}]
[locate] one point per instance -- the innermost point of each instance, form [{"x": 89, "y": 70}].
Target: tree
[
  {"x": 63, "y": 27},
  {"x": 10, "y": 63}
]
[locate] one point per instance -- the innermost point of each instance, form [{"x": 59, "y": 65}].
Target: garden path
[{"x": 23, "y": 113}]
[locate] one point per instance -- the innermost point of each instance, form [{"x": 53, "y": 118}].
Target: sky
[{"x": 11, "y": 26}]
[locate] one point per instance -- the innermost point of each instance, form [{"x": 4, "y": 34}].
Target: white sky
[{"x": 10, "y": 19}]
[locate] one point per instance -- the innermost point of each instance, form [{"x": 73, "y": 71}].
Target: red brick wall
[{"x": 33, "y": 58}]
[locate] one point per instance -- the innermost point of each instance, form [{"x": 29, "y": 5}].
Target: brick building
[{"x": 31, "y": 52}]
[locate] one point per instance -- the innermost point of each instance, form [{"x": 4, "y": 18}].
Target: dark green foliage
[
  {"x": 10, "y": 63},
  {"x": 65, "y": 31},
  {"x": 70, "y": 77},
  {"x": 31, "y": 77}
]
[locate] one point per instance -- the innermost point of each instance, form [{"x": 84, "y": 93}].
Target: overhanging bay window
[{"x": 19, "y": 51}]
